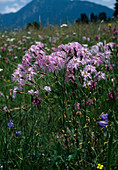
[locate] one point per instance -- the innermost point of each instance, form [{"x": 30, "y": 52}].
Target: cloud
[
  {"x": 106, "y": 0},
  {"x": 25, "y": 1},
  {"x": 8, "y": 1},
  {"x": 15, "y": 7},
  {"x": 4, "y": 1}
]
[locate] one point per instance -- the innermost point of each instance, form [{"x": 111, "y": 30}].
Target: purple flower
[
  {"x": 84, "y": 38},
  {"x": 97, "y": 37},
  {"x": 10, "y": 124},
  {"x": 37, "y": 100},
  {"x": 103, "y": 124},
  {"x": 112, "y": 94},
  {"x": 31, "y": 91},
  {"x": 5, "y": 109},
  {"x": 18, "y": 133},
  {"x": 89, "y": 102},
  {"x": 88, "y": 39},
  {"x": 104, "y": 117},
  {"x": 36, "y": 92},
  {"x": 14, "y": 91}
]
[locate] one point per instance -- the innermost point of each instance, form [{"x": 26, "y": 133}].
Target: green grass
[{"x": 56, "y": 135}]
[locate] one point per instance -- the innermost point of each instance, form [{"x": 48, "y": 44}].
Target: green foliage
[{"x": 56, "y": 135}]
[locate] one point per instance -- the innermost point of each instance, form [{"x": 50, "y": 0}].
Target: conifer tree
[{"x": 116, "y": 9}]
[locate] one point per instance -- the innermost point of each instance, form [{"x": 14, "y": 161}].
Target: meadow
[{"x": 58, "y": 97}]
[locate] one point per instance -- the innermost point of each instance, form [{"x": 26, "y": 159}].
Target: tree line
[{"x": 94, "y": 18}]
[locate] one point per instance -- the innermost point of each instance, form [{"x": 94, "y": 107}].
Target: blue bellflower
[
  {"x": 104, "y": 117},
  {"x": 103, "y": 124},
  {"x": 10, "y": 124},
  {"x": 18, "y": 133}
]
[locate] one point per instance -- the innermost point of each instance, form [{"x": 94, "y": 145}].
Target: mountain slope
[{"x": 55, "y": 11}]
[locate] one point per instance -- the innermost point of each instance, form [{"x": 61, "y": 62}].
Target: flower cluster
[
  {"x": 105, "y": 122},
  {"x": 72, "y": 56},
  {"x": 100, "y": 166}
]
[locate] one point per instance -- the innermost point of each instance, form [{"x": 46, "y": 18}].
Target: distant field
[{"x": 59, "y": 98}]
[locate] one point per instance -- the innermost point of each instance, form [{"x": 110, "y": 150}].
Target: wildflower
[
  {"x": 47, "y": 88},
  {"x": 31, "y": 91},
  {"x": 14, "y": 91},
  {"x": 37, "y": 100},
  {"x": 88, "y": 39},
  {"x": 103, "y": 124},
  {"x": 36, "y": 92},
  {"x": 1, "y": 94},
  {"x": 94, "y": 49},
  {"x": 104, "y": 117},
  {"x": 97, "y": 37},
  {"x": 112, "y": 94},
  {"x": 84, "y": 38},
  {"x": 78, "y": 106},
  {"x": 18, "y": 133},
  {"x": 89, "y": 102},
  {"x": 74, "y": 33},
  {"x": 57, "y": 136},
  {"x": 63, "y": 25},
  {"x": 3, "y": 49},
  {"x": 100, "y": 166},
  {"x": 85, "y": 45},
  {"x": 1, "y": 166},
  {"x": 1, "y": 69},
  {"x": 10, "y": 124},
  {"x": 5, "y": 109}
]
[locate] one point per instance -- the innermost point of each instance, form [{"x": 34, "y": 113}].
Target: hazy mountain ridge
[{"x": 55, "y": 11}]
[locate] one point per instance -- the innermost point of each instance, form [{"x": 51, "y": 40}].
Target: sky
[{"x": 7, "y": 6}]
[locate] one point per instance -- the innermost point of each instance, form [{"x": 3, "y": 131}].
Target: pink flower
[
  {"x": 97, "y": 37},
  {"x": 5, "y": 109},
  {"x": 31, "y": 91},
  {"x": 78, "y": 106},
  {"x": 36, "y": 92}
]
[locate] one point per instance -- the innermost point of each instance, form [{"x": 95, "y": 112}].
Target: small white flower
[
  {"x": 85, "y": 45},
  {"x": 47, "y": 88},
  {"x": 28, "y": 37},
  {"x": 63, "y": 25},
  {"x": 12, "y": 39},
  {"x": 31, "y": 91},
  {"x": 74, "y": 33},
  {"x": 1, "y": 69}
]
